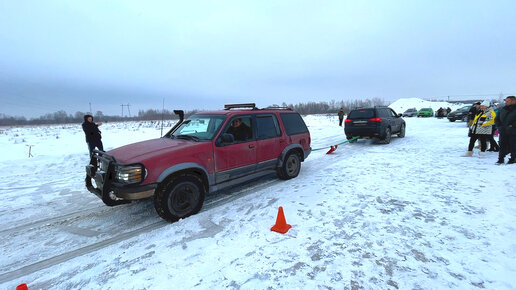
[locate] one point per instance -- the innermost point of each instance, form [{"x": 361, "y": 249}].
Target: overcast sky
[{"x": 64, "y": 55}]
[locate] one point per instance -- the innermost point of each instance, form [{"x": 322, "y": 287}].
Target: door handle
[{"x": 251, "y": 146}]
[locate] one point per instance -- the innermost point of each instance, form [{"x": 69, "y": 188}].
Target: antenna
[{"x": 162, "y": 112}]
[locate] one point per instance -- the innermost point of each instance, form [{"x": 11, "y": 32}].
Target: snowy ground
[{"x": 410, "y": 214}]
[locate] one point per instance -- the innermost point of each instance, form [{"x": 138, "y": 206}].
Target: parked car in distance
[
  {"x": 374, "y": 122},
  {"x": 205, "y": 153},
  {"x": 410, "y": 112},
  {"x": 459, "y": 114},
  {"x": 425, "y": 112}
]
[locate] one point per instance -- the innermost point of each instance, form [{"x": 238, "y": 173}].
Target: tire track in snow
[{"x": 53, "y": 220}]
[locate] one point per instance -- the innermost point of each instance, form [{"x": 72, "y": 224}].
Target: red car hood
[{"x": 139, "y": 152}]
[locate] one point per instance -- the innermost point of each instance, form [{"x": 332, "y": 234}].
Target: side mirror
[{"x": 399, "y": 115}]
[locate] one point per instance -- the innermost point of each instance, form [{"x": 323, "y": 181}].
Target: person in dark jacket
[
  {"x": 506, "y": 123},
  {"x": 472, "y": 113},
  {"x": 239, "y": 130},
  {"x": 341, "y": 116},
  {"x": 93, "y": 137}
]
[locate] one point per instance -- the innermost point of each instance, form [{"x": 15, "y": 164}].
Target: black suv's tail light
[
  {"x": 379, "y": 120},
  {"x": 348, "y": 121}
]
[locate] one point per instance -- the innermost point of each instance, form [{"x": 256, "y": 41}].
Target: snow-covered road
[{"x": 410, "y": 214}]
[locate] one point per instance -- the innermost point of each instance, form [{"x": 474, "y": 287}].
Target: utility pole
[
  {"x": 91, "y": 112},
  {"x": 122, "y": 110},
  {"x": 128, "y": 109}
]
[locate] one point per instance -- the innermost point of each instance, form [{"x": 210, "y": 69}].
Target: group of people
[
  {"x": 484, "y": 121},
  {"x": 442, "y": 112}
]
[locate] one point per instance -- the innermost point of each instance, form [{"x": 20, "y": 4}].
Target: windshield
[{"x": 199, "y": 127}]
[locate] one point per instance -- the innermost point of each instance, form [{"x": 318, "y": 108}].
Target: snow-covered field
[{"x": 410, "y": 214}]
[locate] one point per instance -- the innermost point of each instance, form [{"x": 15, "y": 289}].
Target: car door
[
  {"x": 269, "y": 141},
  {"x": 395, "y": 120},
  {"x": 236, "y": 159}
]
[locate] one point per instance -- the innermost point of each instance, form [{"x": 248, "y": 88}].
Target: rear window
[
  {"x": 293, "y": 123},
  {"x": 361, "y": 114}
]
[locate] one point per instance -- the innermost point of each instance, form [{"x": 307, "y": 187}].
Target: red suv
[{"x": 205, "y": 153}]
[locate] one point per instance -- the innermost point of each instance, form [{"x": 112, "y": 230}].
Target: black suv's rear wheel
[
  {"x": 179, "y": 197},
  {"x": 291, "y": 166},
  {"x": 388, "y": 136},
  {"x": 401, "y": 134}
]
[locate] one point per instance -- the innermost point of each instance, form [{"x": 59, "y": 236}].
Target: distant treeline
[
  {"x": 61, "y": 117},
  {"x": 332, "y": 106}
]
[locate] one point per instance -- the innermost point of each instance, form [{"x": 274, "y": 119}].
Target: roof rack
[
  {"x": 251, "y": 106},
  {"x": 277, "y": 108}
]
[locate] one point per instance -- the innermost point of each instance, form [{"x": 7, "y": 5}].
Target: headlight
[{"x": 130, "y": 174}]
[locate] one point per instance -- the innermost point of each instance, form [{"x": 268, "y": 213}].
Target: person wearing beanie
[
  {"x": 92, "y": 132},
  {"x": 506, "y": 123},
  {"x": 481, "y": 128}
]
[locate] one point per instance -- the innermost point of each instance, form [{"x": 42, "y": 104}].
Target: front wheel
[
  {"x": 179, "y": 197},
  {"x": 291, "y": 166}
]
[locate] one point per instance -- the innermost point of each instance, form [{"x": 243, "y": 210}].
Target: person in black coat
[
  {"x": 93, "y": 137},
  {"x": 506, "y": 123},
  {"x": 239, "y": 130}
]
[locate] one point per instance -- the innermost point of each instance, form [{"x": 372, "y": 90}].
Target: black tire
[
  {"x": 465, "y": 119},
  {"x": 401, "y": 134},
  {"x": 179, "y": 197},
  {"x": 388, "y": 136},
  {"x": 291, "y": 166},
  {"x": 452, "y": 120}
]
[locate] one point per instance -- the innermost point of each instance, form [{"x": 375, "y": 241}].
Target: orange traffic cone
[
  {"x": 281, "y": 225},
  {"x": 22, "y": 286}
]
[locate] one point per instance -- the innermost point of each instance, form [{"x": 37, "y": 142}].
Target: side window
[
  {"x": 241, "y": 127},
  {"x": 392, "y": 113},
  {"x": 267, "y": 126},
  {"x": 293, "y": 123}
]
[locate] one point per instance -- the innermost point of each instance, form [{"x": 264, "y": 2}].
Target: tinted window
[
  {"x": 361, "y": 114},
  {"x": 384, "y": 113},
  {"x": 267, "y": 127},
  {"x": 293, "y": 123}
]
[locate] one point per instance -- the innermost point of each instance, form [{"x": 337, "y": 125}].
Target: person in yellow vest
[{"x": 481, "y": 129}]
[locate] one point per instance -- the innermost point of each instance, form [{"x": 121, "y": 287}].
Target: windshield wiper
[{"x": 188, "y": 137}]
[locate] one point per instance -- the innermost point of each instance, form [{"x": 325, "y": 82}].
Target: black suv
[
  {"x": 377, "y": 122},
  {"x": 459, "y": 114}
]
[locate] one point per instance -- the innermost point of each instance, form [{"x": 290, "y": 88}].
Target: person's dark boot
[
  {"x": 511, "y": 161},
  {"x": 491, "y": 150},
  {"x": 500, "y": 161}
]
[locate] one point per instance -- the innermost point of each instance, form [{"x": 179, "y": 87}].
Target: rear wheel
[
  {"x": 388, "y": 136},
  {"x": 452, "y": 120},
  {"x": 291, "y": 166},
  {"x": 179, "y": 197},
  {"x": 401, "y": 134}
]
